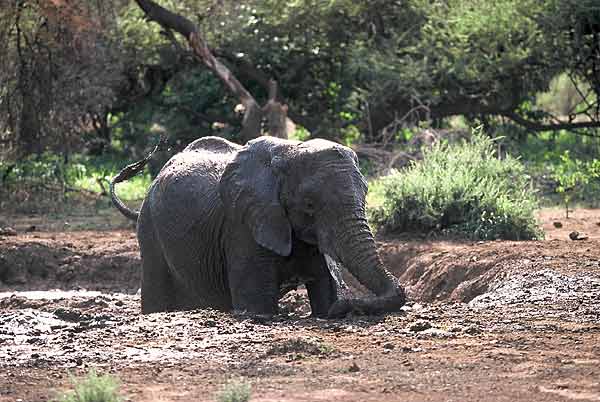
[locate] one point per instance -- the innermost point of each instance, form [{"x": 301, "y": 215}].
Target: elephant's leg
[
  {"x": 253, "y": 281},
  {"x": 157, "y": 284},
  {"x": 322, "y": 288}
]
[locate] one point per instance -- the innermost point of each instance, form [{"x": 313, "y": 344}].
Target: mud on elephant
[{"x": 236, "y": 227}]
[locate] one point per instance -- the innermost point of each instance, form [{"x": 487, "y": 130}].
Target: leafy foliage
[
  {"x": 47, "y": 183},
  {"x": 459, "y": 189},
  {"x": 96, "y": 76},
  {"x": 575, "y": 178}
]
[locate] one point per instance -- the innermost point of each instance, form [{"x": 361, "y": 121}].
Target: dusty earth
[{"x": 493, "y": 321}]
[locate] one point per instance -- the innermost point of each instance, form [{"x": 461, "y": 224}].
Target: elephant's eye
[{"x": 309, "y": 206}]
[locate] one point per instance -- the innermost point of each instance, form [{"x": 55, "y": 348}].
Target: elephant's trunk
[{"x": 358, "y": 253}]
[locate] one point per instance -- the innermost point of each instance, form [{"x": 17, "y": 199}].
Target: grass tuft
[
  {"x": 93, "y": 388},
  {"x": 235, "y": 391},
  {"x": 298, "y": 346},
  {"x": 458, "y": 189}
]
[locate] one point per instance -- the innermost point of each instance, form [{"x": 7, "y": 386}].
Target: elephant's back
[
  {"x": 185, "y": 192},
  {"x": 217, "y": 145}
]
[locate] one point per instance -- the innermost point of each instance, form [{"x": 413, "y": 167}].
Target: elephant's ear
[{"x": 249, "y": 189}]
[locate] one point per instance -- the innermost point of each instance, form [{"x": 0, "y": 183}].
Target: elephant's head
[{"x": 315, "y": 192}]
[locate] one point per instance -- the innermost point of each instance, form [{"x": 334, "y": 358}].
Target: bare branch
[
  {"x": 583, "y": 97},
  {"x": 535, "y": 126},
  {"x": 244, "y": 67},
  {"x": 167, "y": 33},
  {"x": 251, "y": 123}
]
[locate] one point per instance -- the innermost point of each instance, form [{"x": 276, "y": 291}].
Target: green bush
[
  {"x": 94, "y": 388},
  {"x": 576, "y": 179},
  {"x": 460, "y": 189},
  {"x": 235, "y": 391}
]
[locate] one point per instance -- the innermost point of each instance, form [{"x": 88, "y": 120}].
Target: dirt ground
[{"x": 493, "y": 321}]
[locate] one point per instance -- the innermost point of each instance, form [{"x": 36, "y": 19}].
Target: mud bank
[{"x": 496, "y": 321}]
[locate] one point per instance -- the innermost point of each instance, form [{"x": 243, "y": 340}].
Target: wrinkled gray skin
[{"x": 236, "y": 227}]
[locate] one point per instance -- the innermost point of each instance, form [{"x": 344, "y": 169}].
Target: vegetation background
[{"x": 89, "y": 86}]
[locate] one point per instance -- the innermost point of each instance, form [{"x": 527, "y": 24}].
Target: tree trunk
[{"x": 29, "y": 125}]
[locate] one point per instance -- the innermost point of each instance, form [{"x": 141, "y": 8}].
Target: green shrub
[
  {"x": 576, "y": 179},
  {"x": 46, "y": 183},
  {"x": 460, "y": 189},
  {"x": 94, "y": 388},
  {"x": 235, "y": 391}
]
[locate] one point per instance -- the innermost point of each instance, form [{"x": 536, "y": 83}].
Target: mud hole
[{"x": 498, "y": 321}]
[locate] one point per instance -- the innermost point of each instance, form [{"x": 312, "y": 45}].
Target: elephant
[{"x": 235, "y": 227}]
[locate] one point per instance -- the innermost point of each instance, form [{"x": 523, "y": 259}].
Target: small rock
[
  {"x": 436, "y": 333},
  {"x": 67, "y": 315},
  {"x": 8, "y": 231},
  {"x": 354, "y": 368},
  {"x": 557, "y": 224},
  {"x": 456, "y": 328},
  {"x": 388, "y": 346},
  {"x": 420, "y": 325},
  {"x": 575, "y": 235},
  {"x": 472, "y": 330}
]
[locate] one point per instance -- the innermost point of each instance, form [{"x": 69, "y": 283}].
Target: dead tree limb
[
  {"x": 535, "y": 126},
  {"x": 274, "y": 111}
]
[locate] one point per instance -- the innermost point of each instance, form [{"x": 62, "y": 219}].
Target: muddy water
[
  {"x": 71, "y": 328},
  {"x": 50, "y": 294}
]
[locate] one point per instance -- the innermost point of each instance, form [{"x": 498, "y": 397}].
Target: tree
[
  {"x": 57, "y": 70},
  {"x": 478, "y": 58},
  {"x": 273, "y": 110},
  {"x": 87, "y": 73}
]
